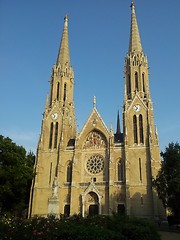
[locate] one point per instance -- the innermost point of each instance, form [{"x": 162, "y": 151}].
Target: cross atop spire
[
  {"x": 94, "y": 101},
  {"x": 133, "y": 6},
  {"x": 64, "y": 55},
  {"x": 134, "y": 41}
]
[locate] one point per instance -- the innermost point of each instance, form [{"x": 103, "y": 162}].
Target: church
[{"x": 97, "y": 170}]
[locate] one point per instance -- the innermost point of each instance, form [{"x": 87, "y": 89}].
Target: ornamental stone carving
[{"x": 94, "y": 140}]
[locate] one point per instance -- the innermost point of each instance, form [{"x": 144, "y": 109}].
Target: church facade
[{"x": 97, "y": 171}]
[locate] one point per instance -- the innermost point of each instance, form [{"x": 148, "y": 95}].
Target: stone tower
[
  {"x": 141, "y": 147},
  {"x": 97, "y": 171},
  {"x": 58, "y": 131}
]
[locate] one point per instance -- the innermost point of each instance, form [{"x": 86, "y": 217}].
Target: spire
[
  {"x": 118, "y": 130},
  {"x": 63, "y": 55},
  {"x": 134, "y": 41},
  {"x": 94, "y": 101},
  {"x": 47, "y": 102}
]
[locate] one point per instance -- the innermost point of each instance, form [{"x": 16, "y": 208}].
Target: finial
[
  {"x": 94, "y": 101},
  {"x": 133, "y": 6},
  {"x": 156, "y": 131},
  {"x": 111, "y": 130},
  {"x": 66, "y": 21}
]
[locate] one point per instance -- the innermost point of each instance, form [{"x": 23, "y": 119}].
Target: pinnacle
[
  {"x": 64, "y": 55},
  {"x": 134, "y": 42}
]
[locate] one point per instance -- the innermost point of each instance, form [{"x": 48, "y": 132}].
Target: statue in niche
[{"x": 55, "y": 187}]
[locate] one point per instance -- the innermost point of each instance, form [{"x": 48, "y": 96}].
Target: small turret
[
  {"x": 118, "y": 136},
  {"x": 118, "y": 130}
]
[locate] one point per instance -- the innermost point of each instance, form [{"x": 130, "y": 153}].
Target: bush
[{"x": 76, "y": 227}]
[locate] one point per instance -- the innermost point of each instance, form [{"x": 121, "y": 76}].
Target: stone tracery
[{"x": 94, "y": 140}]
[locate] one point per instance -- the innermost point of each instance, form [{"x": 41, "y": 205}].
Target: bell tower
[
  {"x": 57, "y": 135},
  {"x": 61, "y": 103},
  {"x": 142, "y": 155}
]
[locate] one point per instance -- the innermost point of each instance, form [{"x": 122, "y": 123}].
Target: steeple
[
  {"x": 118, "y": 130},
  {"x": 64, "y": 55},
  {"x": 134, "y": 41}
]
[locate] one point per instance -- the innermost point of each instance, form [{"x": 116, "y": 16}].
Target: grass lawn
[{"x": 170, "y": 236}]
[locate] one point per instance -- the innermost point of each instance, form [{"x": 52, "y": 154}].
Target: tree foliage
[
  {"x": 167, "y": 181},
  {"x": 16, "y": 172},
  {"x": 79, "y": 228}
]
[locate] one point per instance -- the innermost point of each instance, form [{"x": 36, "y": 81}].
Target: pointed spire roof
[
  {"x": 134, "y": 41},
  {"x": 64, "y": 55},
  {"x": 118, "y": 130},
  {"x": 47, "y": 102}
]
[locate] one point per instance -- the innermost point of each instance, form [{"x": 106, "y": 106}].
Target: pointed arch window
[
  {"x": 69, "y": 172},
  {"x": 135, "y": 129},
  {"x": 136, "y": 81},
  {"x": 51, "y": 95},
  {"x": 56, "y": 135},
  {"x": 120, "y": 171},
  {"x": 141, "y": 129},
  {"x": 65, "y": 89},
  {"x": 143, "y": 82},
  {"x": 57, "y": 94},
  {"x": 140, "y": 170},
  {"x": 50, "y": 173},
  {"x": 51, "y": 135},
  {"x": 128, "y": 85}
]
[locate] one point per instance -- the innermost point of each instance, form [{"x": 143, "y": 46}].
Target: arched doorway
[
  {"x": 92, "y": 204},
  {"x": 91, "y": 201},
  {"x": 93, "y": 209},
  {"x": 121, "y": 209}
]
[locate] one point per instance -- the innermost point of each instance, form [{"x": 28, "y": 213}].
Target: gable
[{"x": 94, "y": 133}]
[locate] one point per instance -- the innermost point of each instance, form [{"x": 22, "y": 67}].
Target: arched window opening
[
  {"x": 51, "y": 95},
  {"x": 129, "y": 86},
  {"x": 51, "y": 136},
  {"x": 121, "y": 209},
  {"x": 136, "y": 81},
  {"x": 140, "y": 170},
  {"x": 67, "y": 210},
  {"x": 69, "y": 172},
  {"x": 57, "y": 94},
  {"x": 120, "y": 171},
  {"x": 143, "y": 82},
  {"x": 141, "y": 129},
  {"x": 56, "y": 135},
  {"x": 50, "y": 173},
  {"x": 135, "y": 129},
  {"x": 65, "y": 86}
]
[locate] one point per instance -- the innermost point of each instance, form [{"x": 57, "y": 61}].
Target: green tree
[
  {"x": 16, "y": 173},
  {"x": 167, "y": 181}
]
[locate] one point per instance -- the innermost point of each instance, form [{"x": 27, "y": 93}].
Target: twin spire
[
  {"x": 64, "y": 55},
  {"x": 134, "y": 41},
  {"x": 134, "y": 46}
]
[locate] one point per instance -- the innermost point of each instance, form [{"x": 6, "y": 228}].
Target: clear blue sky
[{"x": 30, "y": 33}]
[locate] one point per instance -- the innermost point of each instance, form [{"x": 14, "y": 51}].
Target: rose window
[{"x": 95, "y": 164}]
